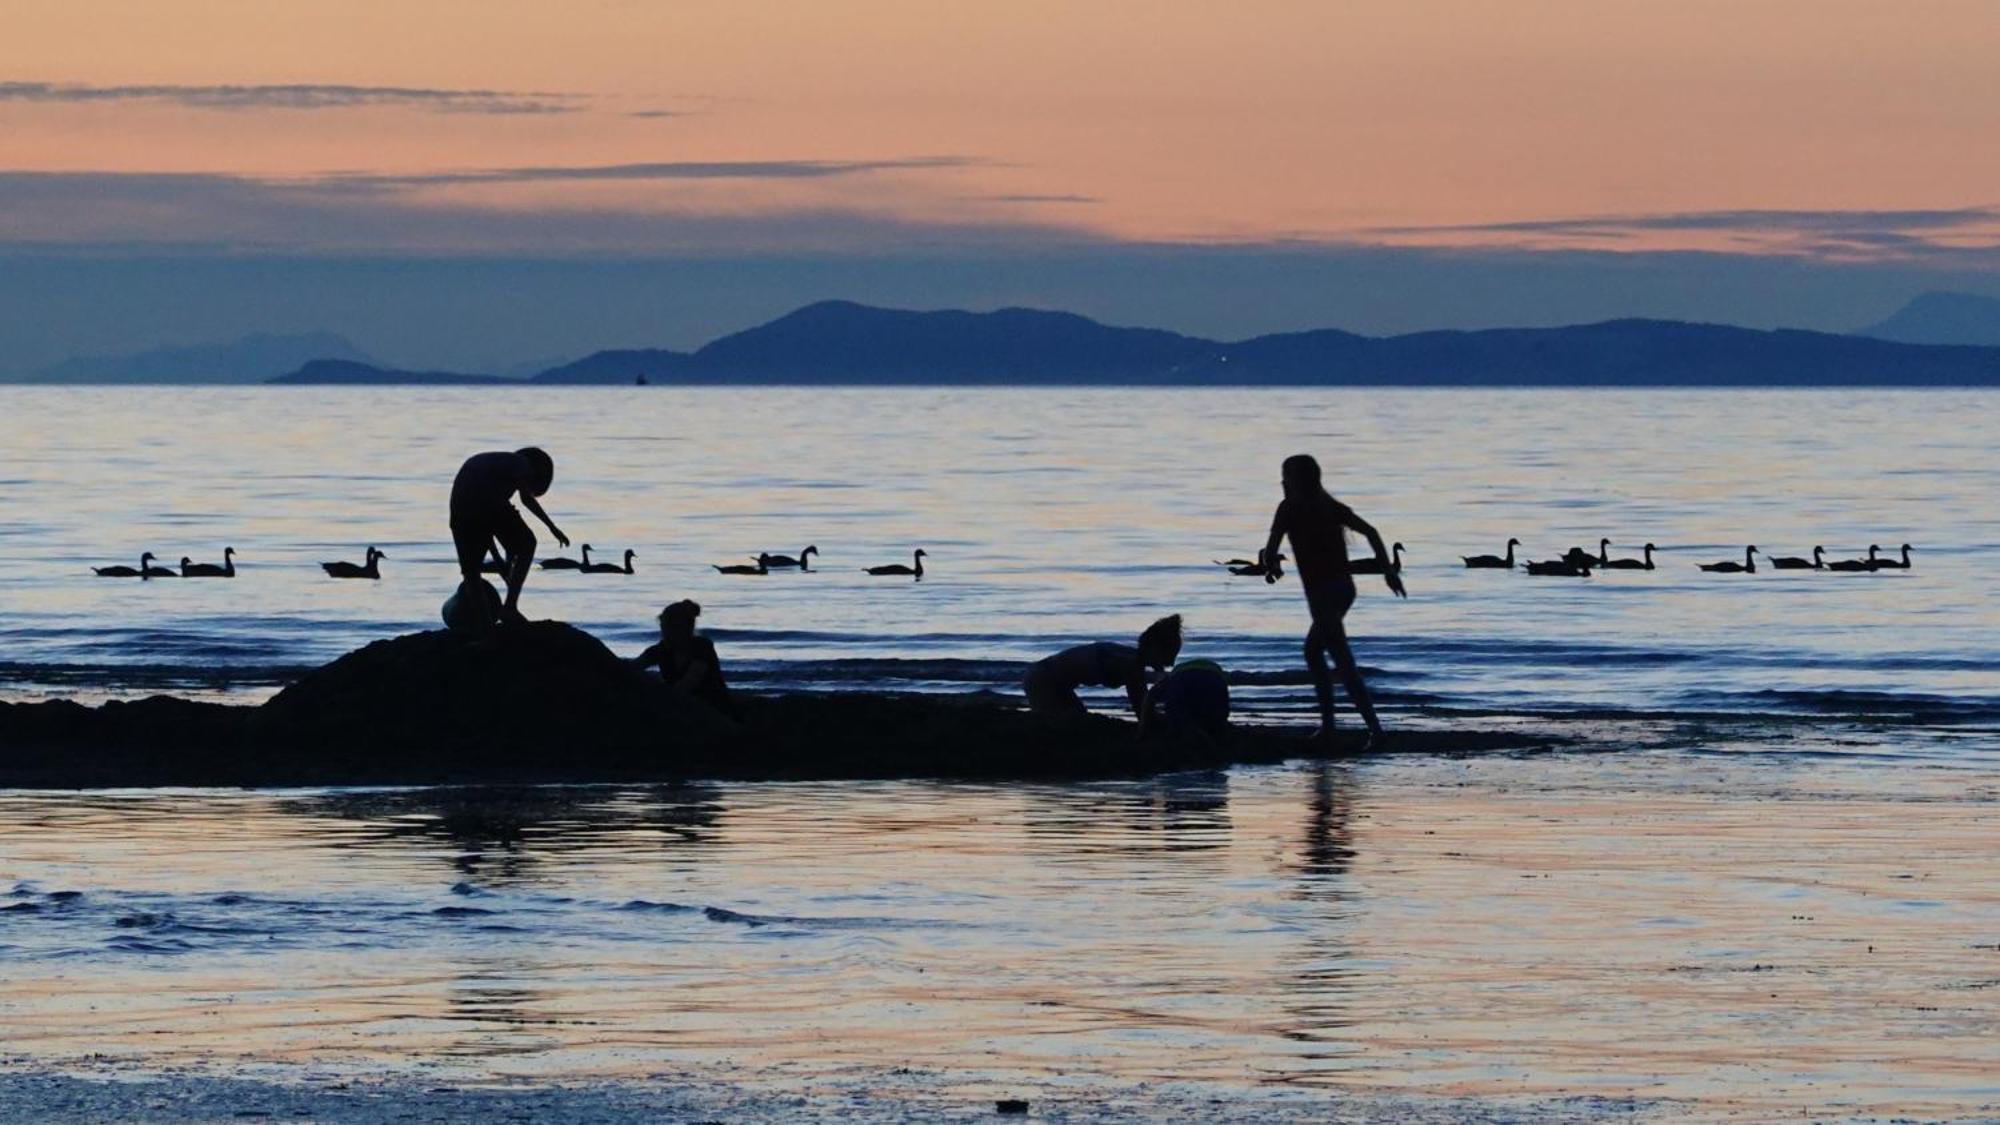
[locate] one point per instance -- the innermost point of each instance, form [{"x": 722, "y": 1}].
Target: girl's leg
[
  {"x": 1322, "y": 683},
  {"x": 1350, "y": 676}
]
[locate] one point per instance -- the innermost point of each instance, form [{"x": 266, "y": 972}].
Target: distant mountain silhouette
[
  {"x": 838, "y": 342},
  {"x": 655, "y": 365},
  {"x": 842, "y": 342},
  {"x": 249, "y": 359},
  {"x": 1613, "y": 353},
  {"x": 340, "y": 372},
  {"x": 1943, "y": 318}
]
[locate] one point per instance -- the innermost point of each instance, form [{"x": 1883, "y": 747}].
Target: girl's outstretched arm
[
  {"x": 1279, "y": 526},
  {"x": 1374, "y": 537}
]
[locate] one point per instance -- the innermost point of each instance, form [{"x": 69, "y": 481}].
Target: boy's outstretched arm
[
  {"x": 535, "y": 506},
  {"x": 1374, "y": 537}
]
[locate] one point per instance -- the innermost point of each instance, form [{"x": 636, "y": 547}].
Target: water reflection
[
  {"x": 1318, "y": 989},
  {"x": 1173, "y": 814},
  {"x": 499, "y": 835}
]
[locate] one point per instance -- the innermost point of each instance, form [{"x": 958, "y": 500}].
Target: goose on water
[
  {"x": 192, "y": 569},
  {"x": 1891, "y": 564},
  {"x": 612, "y": 568},
  {"x": 763, "y": 566},
  {"x": 1632, "y": 564},
  {"x": 915, "y": 571},
  {"x": 1852, "y": 566},
  {"x": 783, "y": 561},
  {"x": 1747, "y": 566},
  {"x": 1374, "y": 565},
  {"x": 1492, "y": 562},
  {"x": 148, "y": 571},
  {"x": 569, "y": 564},
  {"x": 1577, "y": 556},
  {"x": 1558, "y": 568},
  {"x": 368, "y": 569},
  {"x": 143, "y": 570},
  {"x": 1794, "y": 562}
]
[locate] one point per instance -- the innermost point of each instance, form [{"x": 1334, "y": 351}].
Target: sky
[{"x": 491, "y": 181}]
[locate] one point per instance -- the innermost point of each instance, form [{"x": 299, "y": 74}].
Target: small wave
[
  {"x": 463, "y": 912},
  {"x": 1914, "y": 706},
  {"x": 640, "y": 904}
]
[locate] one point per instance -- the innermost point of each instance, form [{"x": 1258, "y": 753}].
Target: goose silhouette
[
  {"x": 568, "y": 564},
  {"x": 192, "y": 569},
  {"x": 1794, "y": 562},
  {"x": 1891, "y": 564},
  {"x": 1853, "y": 566},
  {"x": 783, "y": 561},
  {"x": 612, "y": 568},
  {"x": 143, "y": 570},
  {"x": 369, "y": 569},
  {"x": 1631, "y": 564},
  {"x": 763, "y": 566},
  {"x": 895, "y": 569},
  {"x": 1747, "y": 566},
  {"x": 1374, "y": 566},
  {"x": 1492, "y": 562}
]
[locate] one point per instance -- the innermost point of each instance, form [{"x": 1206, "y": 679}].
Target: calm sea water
[
  {"x": 1794, "y": 913},
  {"x": 1050, "y": 516}
]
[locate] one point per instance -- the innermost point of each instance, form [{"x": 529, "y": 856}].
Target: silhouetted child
[
  {"x": 482, "y": 515},
  {"x": 1317, "y": 525},
  {"x": 1191, "y": 701},
  {"x": 1051, "y": 682},
  {"x": 687, "y": 660}
]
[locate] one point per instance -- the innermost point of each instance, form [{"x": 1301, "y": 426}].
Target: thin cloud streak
[
  {"x": 664, "y": 170},
  {"x": 298, "y": 96},
  {"x": 1757, "y": 221}
]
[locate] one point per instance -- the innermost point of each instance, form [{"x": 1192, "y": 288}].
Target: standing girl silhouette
[{"x": 1317, "y": 525}]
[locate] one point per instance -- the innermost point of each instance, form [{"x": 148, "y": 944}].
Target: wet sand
[{"x": 1684, "y": 929}]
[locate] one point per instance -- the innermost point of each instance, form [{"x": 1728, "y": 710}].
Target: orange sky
[{"x": 1255, "y": 121}]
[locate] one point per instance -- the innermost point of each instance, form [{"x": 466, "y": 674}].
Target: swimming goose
[
  {"x": 569, "y": 564},
  {"x": 1258, "y": 569},
  {"x": 1891, "y": 564},
  {"x": 192, "y": 569},
  {"x": 1374, "y": 566},
  {"x": 1632, "y": 564},
  {"x": 1747, "y": 566},
  {"x": 146, "y": 571},
  {"x": 892, "y": 569},
  {"x": 349, "y": 570},
  {"x": 1794, "y": 562},
  {"x": 612, "y": 568},
  {"x": 783, "y": 561},
  {"x": 1492, "y": 562},
  {"x": 1851, "y": 566},
  {"x": 1558, "y": 568},
  {"x": 763, "y": 567},
  {"x": 1578, "y": 557},
  {"x": 126, "y": 571}
]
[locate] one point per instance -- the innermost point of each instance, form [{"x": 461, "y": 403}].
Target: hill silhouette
[
  {"x": 339, "y": 372},
  {"x": 843, "y": 343},
  {"x": 255, "y": 358}
]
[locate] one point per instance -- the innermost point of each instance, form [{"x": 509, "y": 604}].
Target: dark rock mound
[
  {"x": 538, "y": 695},
  {"x": 547, "y": 702}
]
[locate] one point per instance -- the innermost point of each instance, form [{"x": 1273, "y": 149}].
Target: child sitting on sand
[
  {"x": 481, "y": 514},
  {"x": 1051, "y": 682},
  {"x": 687, "y": 660}
]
